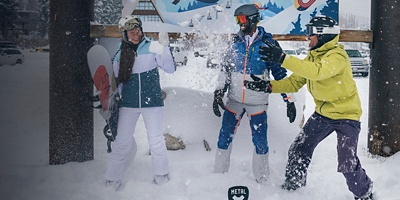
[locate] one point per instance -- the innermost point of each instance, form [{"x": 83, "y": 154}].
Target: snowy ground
[{"x": 26, "y": 174}]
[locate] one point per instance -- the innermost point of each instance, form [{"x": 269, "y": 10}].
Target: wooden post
[
  {"x": 384, "y": 86},
  {"x": 71, "y": 113}
]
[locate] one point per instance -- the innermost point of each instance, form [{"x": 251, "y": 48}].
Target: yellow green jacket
[{"x": 328, "y": 75}]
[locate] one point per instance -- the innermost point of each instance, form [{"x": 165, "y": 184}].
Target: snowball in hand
[{"x": 156, "y": 47}]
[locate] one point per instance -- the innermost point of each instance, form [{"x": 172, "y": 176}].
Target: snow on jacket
[
  {"x": 143, "y": 89},
  {"x": 328, "y": 75},
  {"x": 241, "y": 61}
]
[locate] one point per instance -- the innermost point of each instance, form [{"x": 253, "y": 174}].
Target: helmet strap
[{"x": 125, "y": 36}]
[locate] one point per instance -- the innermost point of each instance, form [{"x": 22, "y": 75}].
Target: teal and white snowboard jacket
[{"x": 143, "y": 89}]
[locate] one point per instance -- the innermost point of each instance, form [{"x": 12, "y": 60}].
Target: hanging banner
[{"x": 277, "y": 16}]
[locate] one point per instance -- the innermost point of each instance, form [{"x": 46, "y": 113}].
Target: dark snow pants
[
  {"x": 258, "y": 125},
  {"x": 314, "y": 131}
]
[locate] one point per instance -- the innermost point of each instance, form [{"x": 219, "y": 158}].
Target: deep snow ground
[{"x": 25, "y": 173}]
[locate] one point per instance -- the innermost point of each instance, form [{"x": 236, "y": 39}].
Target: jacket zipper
[
  {"x": 244, "y": 73},
  {"x": 140, "y": 91},
  {"x": 245, "y": 65}
]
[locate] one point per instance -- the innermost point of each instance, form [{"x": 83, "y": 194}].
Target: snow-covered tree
[
  {"x": 44, "y": 18},
  {"x": 8, "y": 15},
  {"x": 32, "y": 5},
  {"x": 107, "y": 12}
]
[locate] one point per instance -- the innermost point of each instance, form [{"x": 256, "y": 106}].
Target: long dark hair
[{"x": 128, "y": 55}]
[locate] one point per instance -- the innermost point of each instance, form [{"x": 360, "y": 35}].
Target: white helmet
[{"x": 129, "y": 22}]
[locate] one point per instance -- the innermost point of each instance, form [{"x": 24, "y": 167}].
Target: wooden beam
[
  {"x": 345, "y": 36},
  {"x": 111, "y": 31},
  {"x": 356, "y": 36},
  {"x": 105, "y": 31}
]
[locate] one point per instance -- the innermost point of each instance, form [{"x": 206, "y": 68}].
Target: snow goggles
[
  {"x": 241, "y": 19},
  {"x": 310, "y": 31},
  {"x": 135, "y": 22},
  {"x": 314, "y": 30}
]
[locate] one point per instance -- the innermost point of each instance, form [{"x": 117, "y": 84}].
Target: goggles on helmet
[
  {"x": 315, "y": 30},
  {"x": 310, "y": 31},
  {"x": 241, "y": 19},
  {"x": 135, "y": 22}
]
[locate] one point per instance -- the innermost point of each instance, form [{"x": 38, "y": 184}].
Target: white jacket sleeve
[{"x": 164, "y": 57}]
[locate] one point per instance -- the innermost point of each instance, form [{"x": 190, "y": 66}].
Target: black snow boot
[
  {"x": 289, "y": 185},
  {"x": 369, "y": 197}
]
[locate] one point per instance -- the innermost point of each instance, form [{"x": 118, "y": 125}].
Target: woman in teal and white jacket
[{"x": 136, "y": 71}]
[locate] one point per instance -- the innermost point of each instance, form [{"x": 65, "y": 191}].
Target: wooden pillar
[
  {"x": 384, "y": 89},
  {"x": 71, "y": 114}
]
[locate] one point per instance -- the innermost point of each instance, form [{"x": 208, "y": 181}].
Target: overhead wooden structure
[{"x": 111, "y": 31}]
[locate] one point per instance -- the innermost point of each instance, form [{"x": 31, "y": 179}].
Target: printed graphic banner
[{"x": 277, "y": 16}]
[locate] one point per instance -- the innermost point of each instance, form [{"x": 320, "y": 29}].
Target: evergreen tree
[
  {"x": 44, "y": 18},
  {"x": 331, "y": 9},
  {"x": 313, "y": 14},
  {"x": 297, "y": 27},
  {"x": 197, "y": 5},
  {"x": 8, "y": 15},
  {"x": 273, "y": 7},
  {"x": 32, "y": 5}
]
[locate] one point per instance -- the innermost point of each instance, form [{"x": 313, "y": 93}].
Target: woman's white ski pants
[{"x": 124, "y": 147}]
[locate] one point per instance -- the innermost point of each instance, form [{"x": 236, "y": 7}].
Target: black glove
[
  {"x": 218, "y": 95},
  {"x": 258, "y": 84},
  {"x": 291, "y": 111},
  {"x": 271, "y": 53}
]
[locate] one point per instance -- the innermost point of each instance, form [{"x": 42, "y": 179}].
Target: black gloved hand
[
  {"x": 271, "y": 53},
  {"x": 291, "y": 111},
  {"x": 218, "y": 95},
  {"x": 258, "y": 84}
]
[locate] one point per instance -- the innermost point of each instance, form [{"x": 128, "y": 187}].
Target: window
[
  {"x": 145, "y": 6},
  {"x": 353, "y": 53},
  {"x": 150, "y": 18}
]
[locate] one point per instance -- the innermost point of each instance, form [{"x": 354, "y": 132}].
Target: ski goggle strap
[
  {"x": 310, "y": 31},
  {"x": 240, "y": 19},
  {"x": 313, "y": 30}
]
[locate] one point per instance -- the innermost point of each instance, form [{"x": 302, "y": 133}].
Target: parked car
[
  {"x": 179, "y": 53},
  {"x": 364, "y": 53},
  {"x": 292, "y": 52},
  {"x": 203, "y": 51},
  {"x": 7, "y": 45},
  {"x": 43, "y": 49},
  {"x": 359, "y": 64},
  {"x": 214, "y": 59},
  {"x": 11, "y": 57}
]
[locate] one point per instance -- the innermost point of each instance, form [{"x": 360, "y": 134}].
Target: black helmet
[
  {"x": 322, "y": 25},
  {"x": 325, "y": 27},
  {"x": 247, "y": 12}
]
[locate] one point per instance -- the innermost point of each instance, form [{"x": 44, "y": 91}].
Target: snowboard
[{"x": 100, "y": 66}]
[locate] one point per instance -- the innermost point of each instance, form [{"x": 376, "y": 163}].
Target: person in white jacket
[{"x": 136, "y": 72}]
